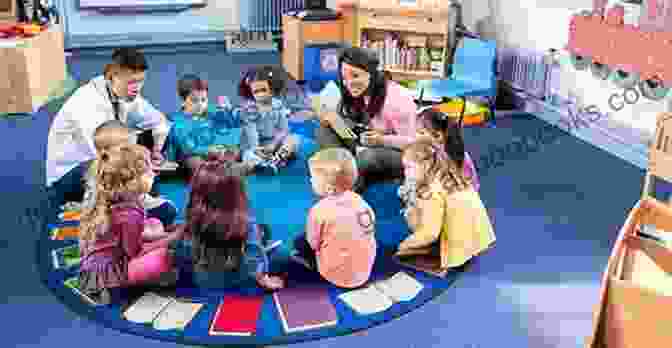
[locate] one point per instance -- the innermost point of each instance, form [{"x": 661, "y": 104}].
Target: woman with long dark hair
[
  {"x": 227, "y": 244},
  {"x": 379, "y": 112}
]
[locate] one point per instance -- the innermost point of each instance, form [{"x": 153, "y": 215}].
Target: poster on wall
[{"x": 139, "y": 4}]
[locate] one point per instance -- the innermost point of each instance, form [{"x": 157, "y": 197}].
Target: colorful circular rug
[{"x": 250, "y": 316}]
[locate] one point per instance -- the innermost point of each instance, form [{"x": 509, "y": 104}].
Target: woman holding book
[{"x": 375, "y": 117}]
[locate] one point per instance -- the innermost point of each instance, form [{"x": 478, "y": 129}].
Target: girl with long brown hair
[
  {"x": 228, "y": 246},
  {"x": 447, "y": 209}
]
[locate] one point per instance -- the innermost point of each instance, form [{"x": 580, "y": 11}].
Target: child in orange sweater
[{"x": 340, "y": 234}]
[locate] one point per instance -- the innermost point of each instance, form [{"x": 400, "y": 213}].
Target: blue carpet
[{"x": 282, "y": 202}]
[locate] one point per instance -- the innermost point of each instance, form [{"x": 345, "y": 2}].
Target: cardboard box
[{"x": 34, "y": 68}]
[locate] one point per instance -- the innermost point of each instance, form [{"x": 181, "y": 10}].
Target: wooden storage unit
[
  {"x": 420, "y": 28},
  {"x": 297, "y": 34},
  {"x": 32, "y": 70},
  {"x": 8, "y": 11}
]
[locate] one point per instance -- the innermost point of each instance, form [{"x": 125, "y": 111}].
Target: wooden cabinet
[
  {"x": 420, "y": 27},
  {"x": 32, "y": 69},
  {"x": 297, "y": 34},
  {"x": 8, "y": 11}
]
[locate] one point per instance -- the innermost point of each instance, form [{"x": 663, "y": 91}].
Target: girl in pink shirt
[
  {"x": 114, "y": 252},
  {"x": 380, "y": 112},
  {"x": 340, "y": 233}
]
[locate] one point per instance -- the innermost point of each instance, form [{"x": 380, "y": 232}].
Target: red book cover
[{"x": 237, "y": 316}]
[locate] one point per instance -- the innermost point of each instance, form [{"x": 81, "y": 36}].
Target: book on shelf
[
  {"x": 73, "y": 284},
  {"x": 430, "y": 264},
  {"x": 66, "y": 257},
  {"x": 237, "y": 315},
  {"x": 305, "y": 308},
  {"x": 383, "y": 294},
  {"x": 162, "y": 312}
]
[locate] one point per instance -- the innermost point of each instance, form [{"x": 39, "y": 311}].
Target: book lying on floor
[
  {"x": 430, "y": 264},
  {"x": 64, "y": 232},
  {"x": 66, "y": 257},
  {"x": 163, "y": 312},
  {"x": 382, "y": 294},
  {"x": 73, "y": 284},
  {"x": 237, "y": 315},
  {"x": 305, "y": 308}
]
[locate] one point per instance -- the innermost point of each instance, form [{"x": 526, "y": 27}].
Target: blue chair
[{"x": 474, "y": 74}]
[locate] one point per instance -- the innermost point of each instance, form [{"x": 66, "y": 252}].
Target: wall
[
  {"x": 543, "y": 24},
  {"x": 86, "y": 29}
]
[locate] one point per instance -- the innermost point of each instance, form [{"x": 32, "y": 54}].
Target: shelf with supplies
[
  {"x": 407, "y": 56},
  {"x": 410, "y": 40}
]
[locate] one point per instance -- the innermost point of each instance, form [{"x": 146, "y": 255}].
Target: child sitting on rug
[
  {"x": 228, "y": 246},
  {"x": 197, "y": 131},
  {"x": 439, "y": 127},
  {"x": 112, "y": 134},
  {"x": 266, "y": 140},
  {"x": 340, "y": 238},
  {"x": 448, "y": 213},
  {"x": 113, "y": 252}
]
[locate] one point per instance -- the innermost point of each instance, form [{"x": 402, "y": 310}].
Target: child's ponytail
[{"x": 96, "y": 216}]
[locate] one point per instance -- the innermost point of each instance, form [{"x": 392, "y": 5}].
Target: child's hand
[
  {"x": 270, "y": 282},
  {"x": 372, "y": 138}
]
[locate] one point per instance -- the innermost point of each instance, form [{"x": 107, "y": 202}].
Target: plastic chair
[{"x": 474, "y": 74}]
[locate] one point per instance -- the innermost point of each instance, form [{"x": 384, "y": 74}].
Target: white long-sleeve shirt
[{"x": 71, "y": 135}]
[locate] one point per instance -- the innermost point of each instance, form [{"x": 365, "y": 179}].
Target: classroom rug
[{"x": 282, "y": 202}]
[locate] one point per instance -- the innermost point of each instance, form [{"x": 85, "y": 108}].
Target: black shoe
[
  {"x": 309, "y": 263},
  {"x": 360, "y": 186}
]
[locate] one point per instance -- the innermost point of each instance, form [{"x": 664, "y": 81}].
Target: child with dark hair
[
  {"x": 198, "y": 131},
  {"x": 437, "y": 126},
  {"x": 266, "y": 140},
  {"x": 228, "y": 246}
]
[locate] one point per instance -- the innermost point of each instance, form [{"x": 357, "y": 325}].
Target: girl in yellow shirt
[{"x": 446, "y": 210}]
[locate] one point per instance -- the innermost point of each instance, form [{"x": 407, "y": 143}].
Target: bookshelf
[{"x": 409, "y": 36}]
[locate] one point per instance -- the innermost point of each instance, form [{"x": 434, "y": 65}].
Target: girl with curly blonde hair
[{"x": 111, "y": 243}]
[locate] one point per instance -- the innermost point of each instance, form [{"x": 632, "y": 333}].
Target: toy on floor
[
  {"x": 266, "y": 141},
  {"x": 448, "y": 214}
]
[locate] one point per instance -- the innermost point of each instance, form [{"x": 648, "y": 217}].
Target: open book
[
  {"x": 164, "y": 313},
  {"x": 381, "y": 295},
  {"x": 66, "y": 257}
]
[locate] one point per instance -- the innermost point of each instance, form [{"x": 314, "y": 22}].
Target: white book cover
[
  {"x": 401, "y": 287},
  {"x": 147, "y": 308},
  {"x": 366, "y": 301},
  {"x": 177, "y": 315},
  {"x": 381, "y": 295}
]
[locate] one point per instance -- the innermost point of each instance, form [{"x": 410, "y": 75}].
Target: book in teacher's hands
[
  {"x": 162, "y": 312},
  {"x": 305, "y": 308},
  {"x": 237, "y": 315},
  {"x": 383, "y": 294}
]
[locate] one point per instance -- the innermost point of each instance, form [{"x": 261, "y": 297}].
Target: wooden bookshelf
[{"x": 421, "y": 28}]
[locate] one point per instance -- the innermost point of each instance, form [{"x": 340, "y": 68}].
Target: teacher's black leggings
[{"x": 373, "y": 163}]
